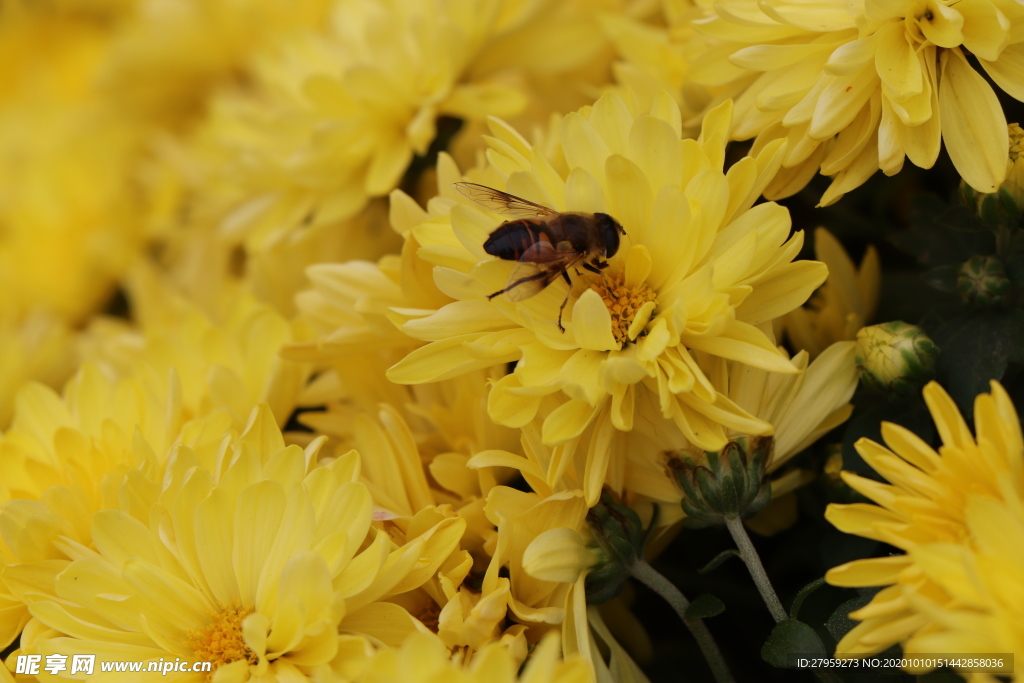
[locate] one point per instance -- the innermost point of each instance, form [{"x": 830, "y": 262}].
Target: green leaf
[
  {"x": 791, "y": 639},
  {"x": 802, "y": 595},
  {"x": 940, "y": 235},
  {"x": 942, "y": 278},
  {"x": 704, "y": 606},
  {"x": 977, "y": 348},
  {"x": 718, "y": 559},
  {"x": 840, "y": 623},
  {"x": 1013, "y": 258}
]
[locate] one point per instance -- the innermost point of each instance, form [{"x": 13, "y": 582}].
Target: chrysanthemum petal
[
  {"x": 592, "y": 323},
  {"x": 567, "y": 421},
  {"x": 745, "y": 343},
  {"x": 876, "y": 571},
  {"x": 973, "y": 124},
  {"x": 1008, "y": 70}
]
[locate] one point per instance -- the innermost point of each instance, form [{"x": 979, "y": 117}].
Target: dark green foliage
[
  {"x": 704, "y": 606},
  {"x": 789, "y": 639}
]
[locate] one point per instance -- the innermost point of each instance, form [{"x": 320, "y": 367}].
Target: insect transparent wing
[
  {"x": 502, "y": 202},
  {"x": 528, "y": 280},
  {"x": 539, "y": 266}
]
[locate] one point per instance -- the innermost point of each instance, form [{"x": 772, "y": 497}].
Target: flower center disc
[
  {"x": 623, "y": 303},
  {"x": 221, "y": 642}
]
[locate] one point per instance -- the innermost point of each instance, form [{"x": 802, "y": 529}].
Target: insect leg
[
  {"x": 565, "y": 275},
  {"x": 560, "y": 310},
  {"x": 596, "y": 267},
  {"x": 529, "y": 278}
]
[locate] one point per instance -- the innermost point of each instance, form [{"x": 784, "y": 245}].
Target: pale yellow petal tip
[{"x": 558, "y": 555}]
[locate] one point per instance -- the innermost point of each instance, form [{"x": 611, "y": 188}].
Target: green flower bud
[
  {"x": 730, "y": 484},
  {"x": 1005, "y": 205},
  {"x": 895, "y": 358},
  {"x": 982, "y": 282},
  {"x": 620, "y": 539},
  {"x": 1014, "y": 183}
]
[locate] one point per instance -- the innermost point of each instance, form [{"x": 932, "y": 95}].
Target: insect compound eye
[{"x": 610, "y": 231}]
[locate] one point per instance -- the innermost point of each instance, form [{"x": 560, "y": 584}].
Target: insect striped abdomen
[{"x": 510, "y": 240}]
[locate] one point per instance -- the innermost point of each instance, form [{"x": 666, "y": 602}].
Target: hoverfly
[{"x": 544, "y": 243}]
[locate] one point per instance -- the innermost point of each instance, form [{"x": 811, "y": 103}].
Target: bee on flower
[{"x": 697, "y": 272}]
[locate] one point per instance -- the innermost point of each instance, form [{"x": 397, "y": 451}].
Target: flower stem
[
  {"x": 756, "y": 569},
  {"x": 648, "y": 576},
  {"x": 768, "y": 594}
]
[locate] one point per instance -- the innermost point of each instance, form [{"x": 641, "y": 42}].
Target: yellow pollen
[
  {"x": 221, "y": 642},
  {"x": 622, "y": 302}
]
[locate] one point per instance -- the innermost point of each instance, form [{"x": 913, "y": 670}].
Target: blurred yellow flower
[
  {"x": 225, "y": 357},
  {"x": 842, "y": 306},
  {"x": 704, "y": 269},
  {"x": 955, "y": 513},
  {"x": 167, "y": 60},
  {"x": 334, "y": 117},
  {"x": 75, "y": 136},
  {"x": 39, "y": 346},
  {"x": 356, "y": 307},
  {"x": 857, "y": 88}
]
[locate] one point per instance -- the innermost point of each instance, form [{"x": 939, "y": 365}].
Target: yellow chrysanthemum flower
[
  {"x": 556, "y": 600},
  {"x": 70, "y": 451},
  {"x": 261, "y": 563},
  {"x": 698, "y": 271},
  {"x": 99, "y": 426},
  {"x": 842, "y": 306},
  {"x": 983, "y": 581},
  {"x": 861, "y": 87},
  {"x": 801, "y": 408},
  {"x": 420, "y": 469},
  {"x": 955, "y": 513},
  {"x": 422, "y": 659}
]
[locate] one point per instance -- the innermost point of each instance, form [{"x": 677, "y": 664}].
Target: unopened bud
[
  {"x": 728, "y": 484},
  {"x": 1005, "y": 205},
  {"x": 895, "y": 358},
  {"x": 982, "y": 282},
  {"x": 620, "y": 539}
]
